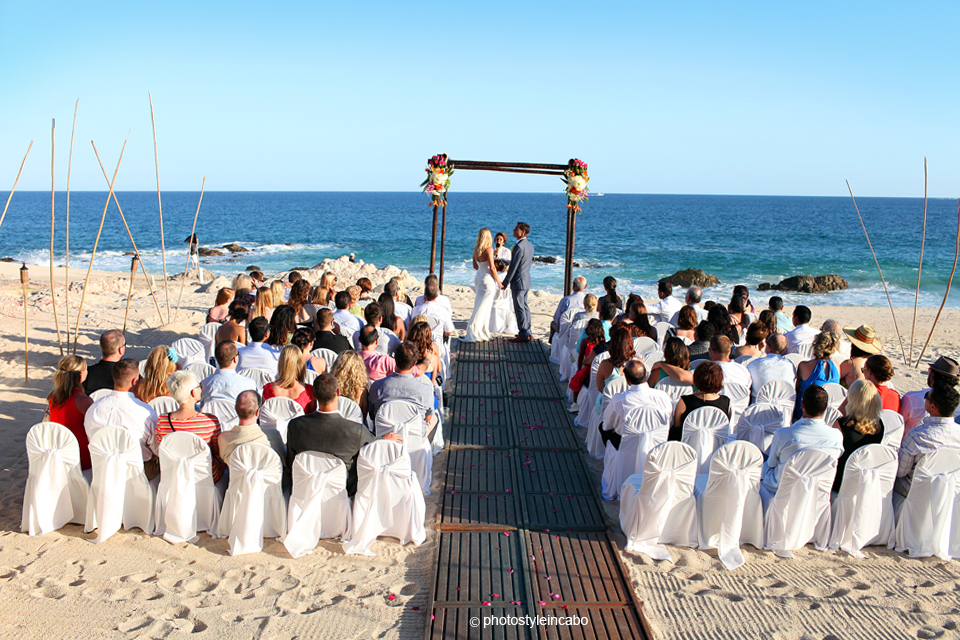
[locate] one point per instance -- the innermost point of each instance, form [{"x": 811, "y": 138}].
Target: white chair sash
[
  {"x": 399, "y": 416},
  {"x": 319, "y": 506},
  {"x": 758, "y": 424},
  {"x": 56, "y": 492},
  {"x": 276, "y": 413},
  {"x": 644, "y": 428},
  {"x": 893, "y": 426},
  {"x": 190, "y": 351},
  {"x": 863, "y": 508},
  {"x": 800, "y": 510},
  {"x": 706, "y": 429},
  {"x": 253, "y": 508},
  {"x": 925, "y": 523},
  {"x": 121, "y": 493},
  {"x": 187, "y": 500}
]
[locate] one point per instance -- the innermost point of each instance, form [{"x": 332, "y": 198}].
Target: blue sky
[{"x": 718, "y": 98}]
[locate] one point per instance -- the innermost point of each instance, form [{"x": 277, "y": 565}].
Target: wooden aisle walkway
[{"x": 521, "y": 531}]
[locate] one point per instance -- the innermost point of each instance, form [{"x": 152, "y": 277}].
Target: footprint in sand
[{"x": 928, "y": 632}]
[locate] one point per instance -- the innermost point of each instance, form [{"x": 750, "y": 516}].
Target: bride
[{"x": 487, "y": 285}]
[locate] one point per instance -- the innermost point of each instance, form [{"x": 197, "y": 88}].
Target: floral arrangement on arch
[
  {"x": 576, "y": 179},
  {"x": 439, "y": 169}
]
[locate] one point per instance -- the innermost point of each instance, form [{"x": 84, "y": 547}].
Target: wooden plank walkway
[{"x": 521, "y": 529}]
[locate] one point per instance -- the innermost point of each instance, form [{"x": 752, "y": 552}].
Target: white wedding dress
[
  {"x": 478, "y": 330},
  {"x": 503, "y": 319}
]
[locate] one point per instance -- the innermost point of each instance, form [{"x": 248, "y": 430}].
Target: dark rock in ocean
[
  {"x": 545, "y": 259},
  {"x": 692, "y": 278},
  {"x": 235, "y": 248},
  {"x": 288, "y": 244},
  {"x": 209, "y": 253},
  {"x": 810, "y": 284},
  {"x": 764, "y": 286},
  {"x": 129, "y": 253},
  {"x": 231, "y": 259},
  {"x": 253, "y": 267},
  {"x": 831, "y": 282},
  {"x": 576, "y": 264},
  {"x": 7, "y": 259}
]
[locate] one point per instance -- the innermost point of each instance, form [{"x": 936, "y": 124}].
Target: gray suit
[{"x": 518, "y": 279}]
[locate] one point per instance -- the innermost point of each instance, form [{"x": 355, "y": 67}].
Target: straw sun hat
[{"x": 864, "y": 337}]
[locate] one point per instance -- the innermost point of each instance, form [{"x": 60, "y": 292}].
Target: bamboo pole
[
  {"x": 443, "y": 241},
  {"x": 10, "y": 195},
  {"x": 93, "y": 254},
  {"x": 127, "y": 227},
  {"x": 66, "y": 264},
  {"x": 882, "y": 279},
  {"x": 433, "y": 240},
  {"x": 947, "y": 292},
  {"x": 163, "y": 250},
  {"x": 923, "y": 237},
  {"x": 133, "y": 274},
  {"x": 187, "y": 267},
  {"x": 53, "y": 291},
  {"x": 24, "y": 279}
]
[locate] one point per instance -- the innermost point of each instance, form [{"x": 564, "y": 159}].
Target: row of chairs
[{"x": 389, "y": 499}]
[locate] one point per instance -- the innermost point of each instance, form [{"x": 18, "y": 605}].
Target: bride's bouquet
[{"x": 501, "y": 265}]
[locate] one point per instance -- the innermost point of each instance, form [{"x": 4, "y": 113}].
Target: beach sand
[{"x": 136, "y": 586}]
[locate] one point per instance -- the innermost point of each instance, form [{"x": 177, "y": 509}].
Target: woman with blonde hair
[
  {"x": 243, "y": 289},
  {"x": 278, "y": 292},
  {"x": 861, "y": 425},
  {"x": 161, "y": 362},
  {"x": 486, "y": 284},
  {"x": 68, "y": 404},
  {"x": 351, "y": 373},
  {"x": 263, "y": 305},
  {"x": 289, "y": 383},
  {"x": 819, "y": 371},
  {"x": 325, "y": 291}
]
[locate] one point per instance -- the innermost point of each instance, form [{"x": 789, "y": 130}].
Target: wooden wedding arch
[{"x": 563, "y": 171}]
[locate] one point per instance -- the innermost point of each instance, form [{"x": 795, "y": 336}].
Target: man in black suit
[
  {"x": 326, "y": 431},
  {"x": 326, "y": 338},
  {"x": 100, "y": 375}
]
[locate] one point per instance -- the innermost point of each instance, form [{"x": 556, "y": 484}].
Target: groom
[{"x": 518, "y": 279}]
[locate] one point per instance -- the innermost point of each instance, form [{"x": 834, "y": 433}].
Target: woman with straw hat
[{"x": 863, "y": 344}]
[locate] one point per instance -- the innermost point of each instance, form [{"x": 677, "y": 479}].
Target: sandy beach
[{"x": 136, "y": 586}]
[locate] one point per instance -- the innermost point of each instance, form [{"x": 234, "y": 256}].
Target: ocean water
[{"x": 636, "y": 238}]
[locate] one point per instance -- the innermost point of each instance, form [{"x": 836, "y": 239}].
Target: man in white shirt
[
  {"x": 667, "y": 306},
  {"x": 441, "y": 299},
  {"x": 693, "y": 298},
  {"x": 122, "y": 409},
  {"x": 810, "y": 432},
  {"x": 639, "y": 394},
  {"x": 937, "y": 431},
  {"x": 387, "y": 340},
  {"x": 431, "y": 306},
  {"x": 772, "y": 366},
  {"x": 225, "y": 383},
  {"x": 733, "y": 372},
  {"x": 349, "y": 323},
  {"x": 912, "y": 404},
  {"x": 803, "y": 333},
  {"x": 572, "y": 301},
  {"x": 258, "y": 354}
]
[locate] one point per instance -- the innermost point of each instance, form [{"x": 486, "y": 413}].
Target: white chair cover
[
  {"x": 389, "y": 500},
  {"x": 208, "y": 338},
  {"x": 796, "y": 358},
  {"x": 120, "y": 492},
  {"x": 319, "y": 505},
  {"x": 744, "y": 360},
  {"x": 739, "y": 399},
  {"x": 804, "y": 350},
  {"x": 674, "y": 388},
  {"x": 928, "y": 522},
  {"x": 893, "y": 426},
  {"x": 200, "y": 369},
  {"x": 831, "y": 415},
  {"x": 164, "y": 404},
  {"x": 225, "y": 411},
  {"x": 568, "y": 362},
  {"x": 705, "y": 429},
  {"x": 836, "y": 394},
  {"x": 800, "y": 511},
  {"x": 143, "y": 366},
  {"x": 731, "y": 511},
  {"x": 349, "y": 409},
  {"x": 187, "y": 500},
  {"x": 56, "y": 491},
  {"x": 276, "y": 413},
  {"x": 309, "y": 377},
  {"x": 190, "y": 351},
  {"x": 644, "y": 345},
  {"x": 560, "y": 337},
  {"x": 662, "y": 328},
  {"x": 658, "y": 507},
  {"x": 253, "y": 508},
  {"x": 400, "y": 416},
  {"x": 652, "y": 358},
  {"x": 863, "y": 508},
  {"x": 592, "y": 440},
  {"x": 781, "y": 393},
  {"x": 329, "y": 355},
  {"x": 590, "y": 392},
  {"x": 261, "y": 376},
  {"x": 100, "y": 393},
  {"x": 643, "y": 429},
  {"x": 758, "y": 424}
]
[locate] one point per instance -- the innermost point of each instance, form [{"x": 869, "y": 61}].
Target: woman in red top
[
  {"x": 185, "y": 389},
  {"x": 68, "y": 403},
  {"x": 879, "y": 370},
  {"x": 289, "y": 383}
]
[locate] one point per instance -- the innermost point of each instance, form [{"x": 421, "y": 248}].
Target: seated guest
[
  {"x": 161, "y": 362},
  {"x": 879, "y": 370},
  {"x": 637, "y": 395},
  {"x": 257, "y": 277},
  {"x": 441, "y": 299},
  {"x": 620, "y": 348},
  {"x": 753, "y": 344},
  {"x": 258, "y": 354},
  {"x": 773, "y": 366},
  {"x": 355, "y": 307},
  {"x": 68, "y": 404},
  {"x": 428, "y": 360},
  {"x": 860, "y": 425},
  {"x": 389, "y": 318},
  {"x": 351, "y": 373},
  {"x": 572, "y": 301},
  {"x": 740, "y": 320},
  {"x": 802, "y": 333},
  {"x": 685, "y": 325},
  {"x": 708, "y": 384},
  {"x": 233, "y": 329},
  {"x": 692, "y": 299},
  {"x": 937, "y": 431},
  {"x": 913, "y": 402},
  {"x": 675, "y": 364},
  {"x": 326, "y": 431},
  {"x": 303, "y": 340},
  {"x": 365, "y": 288},
  {"x": 326, "y": 291},
  {"x": 262, "y": 306},
  {"x": 402, "y": 292},
  {"x": 219, "y": 312},
  {"x": 719, "y": 317},
  {"x": 668, "y": 305},
  {"x": 342, "y": 316},
  {"x": 243, "y": 290},
  {"x": 304, "y": 311},
  {"x": 769, "y": 320},
  {"x": 248, "y": 431},
  {"x": 100, "y": 376},
  {"x": 186, "y": 391},
  {"x": 810, "y": 432},
  {"x": 121, "y": 408},
  {"x": 402, "y": 384},
  {"x": 700, "y": 348},
  {"x": 225, "y": 383},
  {"x": 387, "y": 340},
  {"x": 733, "y": 372},
  {"x": 378, "y": 366},
  {"x": 278, "y": 292},
  {"x": 327, "y": 338},
  {"x": 607, "y": 313},
  {"x": 842, "y": 353},
  {"x": 819, "y": 371},
  {"x": 401, "y": 309},
  {"x": 282, "y": 326},
  {"x": 610, "y": 286},
  {"x": 863, "y": 344},
  {"x": 783, "y": 322},
  {"x": 642, "y": 324},
  {"x": 432, "y": 306},
  {"x": 290, "y": 379}
]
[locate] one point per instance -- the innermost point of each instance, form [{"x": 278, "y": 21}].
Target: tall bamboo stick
[
  {"x": 24, "y": 280},
  {"x": 923, "y": 237},
  {"x": 163, "y": 250},
  {"x": 133, "y": 275},
  {"x": 882, "y": 279},
  {"x": 93, "y": 254},
  {"x": 127, "y": 227},
  {"x": 10, "y": 195},
  {"x": 53, "y": 291},
  {"x": 66, "y": 264},
  {"x": 189, "y": 245},
  {"x": 947, "y": 292}
]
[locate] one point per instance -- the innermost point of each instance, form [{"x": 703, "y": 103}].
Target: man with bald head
[
  {"x": 572, "y": 301},
  {"x": 637, "y": 395},
  {"x": 773, "y": 366},
  {"x": 248, "y": 410},
  {"x": 693, "y": 298}
]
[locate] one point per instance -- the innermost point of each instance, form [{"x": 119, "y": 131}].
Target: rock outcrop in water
[
  {"x": 807, "y": 284},
  {"x": 692, "y": 278},
  {"x": 233, "y": 247},
  {"x": 209, "y": 253}
]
